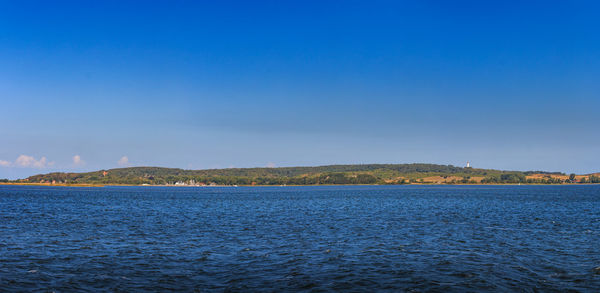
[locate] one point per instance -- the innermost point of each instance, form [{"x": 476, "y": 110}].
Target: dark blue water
[{"x": 366, "y": 238}]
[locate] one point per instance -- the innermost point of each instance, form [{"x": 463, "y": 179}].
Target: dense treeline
[
  {"x": 325, "y": 178},
  {"x": 506, "y": 178},
  {"x": 333, "y": 174}
]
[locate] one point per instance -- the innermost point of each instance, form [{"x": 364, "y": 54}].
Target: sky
[{"x": 89, "y": 85}]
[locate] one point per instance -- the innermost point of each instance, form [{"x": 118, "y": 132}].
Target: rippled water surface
[{"x": 344, "y": 238}]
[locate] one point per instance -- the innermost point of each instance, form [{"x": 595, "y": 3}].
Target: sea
[{"x": 312, "y": 239}]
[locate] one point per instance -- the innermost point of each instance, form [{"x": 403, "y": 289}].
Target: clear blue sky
[{"x": 506, "y": 85}]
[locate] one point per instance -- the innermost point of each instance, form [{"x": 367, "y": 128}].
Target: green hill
[{"x": 331, "y": 174}]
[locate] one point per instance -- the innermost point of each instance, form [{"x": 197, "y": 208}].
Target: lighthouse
[{"x": 468, "y": 164}]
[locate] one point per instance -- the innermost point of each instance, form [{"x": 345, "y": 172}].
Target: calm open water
[{"x": 336, "y": 238}]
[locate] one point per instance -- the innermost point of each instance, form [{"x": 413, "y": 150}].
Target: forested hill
[{"x": 332, "y": 174}]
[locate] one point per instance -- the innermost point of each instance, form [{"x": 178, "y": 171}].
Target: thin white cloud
[
  {"x": 124, "y": 161},
  {"x": 25, "y": 161},
  {"x": 77, "y": 161},
  {"x": 270, "y": 165},
  {"x": 4, "y": 163}
]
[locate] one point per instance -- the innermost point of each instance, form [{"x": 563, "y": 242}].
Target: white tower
[{"x": 468, "y": 164}]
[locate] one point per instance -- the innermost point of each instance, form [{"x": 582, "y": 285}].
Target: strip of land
[
  {"x": 320, "y": 175},
  {"x": 24, "y": 183}
]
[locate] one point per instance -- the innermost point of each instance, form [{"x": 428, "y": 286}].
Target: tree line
[{"x": 334, "y": 174}]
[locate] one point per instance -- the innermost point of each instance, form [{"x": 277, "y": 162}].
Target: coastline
[
  {"x": 207, "y": 186},
  {"x": 52, "y": 185}
]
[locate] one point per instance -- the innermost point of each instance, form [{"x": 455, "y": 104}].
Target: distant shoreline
[
  {"x": 232, "y": 186},
  {"x": 366, "y": 174},
  {"x": 52, "y": 185}
]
